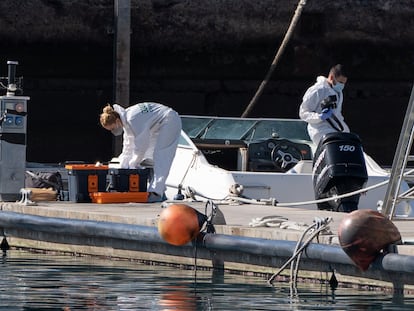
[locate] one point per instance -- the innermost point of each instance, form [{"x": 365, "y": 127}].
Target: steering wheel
[{"x": 285, "y": 155}]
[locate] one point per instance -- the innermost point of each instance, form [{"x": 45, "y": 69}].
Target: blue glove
[{"x": 326, "y": 114}]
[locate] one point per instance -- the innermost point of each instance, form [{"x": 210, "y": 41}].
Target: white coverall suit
[
  {"x": 311, "y": 108},
  {"x": 151, "y": 131}
]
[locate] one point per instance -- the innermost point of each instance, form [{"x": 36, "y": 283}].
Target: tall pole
[
  {"x": 122, "y": 63},
  {"x": 278, "y": 55}
]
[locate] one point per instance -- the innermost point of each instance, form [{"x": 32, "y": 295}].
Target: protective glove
[
  {"x": 134, "y": 161},
  {"x": 124, "y": 161},
  {"x": 325, "y": 114}
]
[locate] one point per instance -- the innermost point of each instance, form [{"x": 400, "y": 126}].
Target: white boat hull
[{"x": 192, "y": 171}]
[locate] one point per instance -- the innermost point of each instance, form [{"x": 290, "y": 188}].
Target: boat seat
[{"x": 224, "y": 153}]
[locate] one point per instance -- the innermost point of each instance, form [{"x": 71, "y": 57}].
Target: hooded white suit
[
  {"x": 151, "y": 131},
  {"x": 310, "y": 110}
]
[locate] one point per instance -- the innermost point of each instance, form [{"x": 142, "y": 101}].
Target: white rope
[
  {"x": 268, "y": 221},
  {"x": 274, "y": 202},
  {"x": 336, "y": 197},
  {"x": 190, "y": 165}
]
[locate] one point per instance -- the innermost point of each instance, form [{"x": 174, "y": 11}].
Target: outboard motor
[{"x": 339, "y": 168}]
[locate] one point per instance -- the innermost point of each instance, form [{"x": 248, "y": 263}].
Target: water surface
[{"x": 32, "y": 281}]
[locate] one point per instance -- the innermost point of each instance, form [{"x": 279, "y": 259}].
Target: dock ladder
[{"x": 399, "y": 171}]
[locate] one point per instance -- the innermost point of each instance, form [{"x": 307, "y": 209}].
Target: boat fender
[
  {"x": 179, "y": 224},
  {"x": 363, "y": 234}
]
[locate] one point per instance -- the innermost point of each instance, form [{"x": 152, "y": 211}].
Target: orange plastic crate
[
  {"x": 84, "y": 179},
  {"x": 119, "y": 197}
]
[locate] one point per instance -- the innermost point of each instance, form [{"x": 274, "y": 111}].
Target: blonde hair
[{"x": 108, "y": 115}]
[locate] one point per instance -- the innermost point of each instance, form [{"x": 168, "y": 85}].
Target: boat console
[
  {"x": 246, "y": 144},
  {"x": 276, "y": 154}
]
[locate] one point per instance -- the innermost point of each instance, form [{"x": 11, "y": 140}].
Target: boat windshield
[{"x": 247, "y": 129}]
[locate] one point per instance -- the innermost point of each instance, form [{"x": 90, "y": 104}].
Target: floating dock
[{"x": 240, "y": 243}]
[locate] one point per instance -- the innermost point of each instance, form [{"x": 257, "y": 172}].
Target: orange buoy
[
  {"x": 179, "y": 224},
  {"x": 177, "y": 298},
  {"x": 364, "y": 233}
]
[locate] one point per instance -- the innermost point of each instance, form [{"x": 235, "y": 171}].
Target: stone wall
[{"x": 205, "y": 57}]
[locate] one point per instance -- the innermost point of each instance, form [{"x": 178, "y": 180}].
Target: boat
[{"x": 260, "y": 160}]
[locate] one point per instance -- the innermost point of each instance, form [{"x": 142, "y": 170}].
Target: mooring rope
[
  {"x": 274, "y": 202},
  {"x": 319, "y": 225},
  {"x": 191, "y": 193},
  {"x": 294, "y": 267}
]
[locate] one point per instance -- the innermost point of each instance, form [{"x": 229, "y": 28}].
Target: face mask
[
  {"x": 117, "y": 130},
  {"x": 338, "y": 87}
]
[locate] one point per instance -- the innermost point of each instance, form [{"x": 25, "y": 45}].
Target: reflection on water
[{"x": 47, "y": 282}]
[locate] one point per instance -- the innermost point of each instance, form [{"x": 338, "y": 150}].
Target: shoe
[
  {"x": 147, "y": 163},
  {"x": 155, "y": 197}
]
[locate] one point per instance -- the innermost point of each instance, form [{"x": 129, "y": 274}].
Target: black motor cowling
[{"x": 339, "y": 168}]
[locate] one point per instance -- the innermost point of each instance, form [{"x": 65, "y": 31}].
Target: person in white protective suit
[
  {"x": 321, "y": 106},
  {"x": 150, "y": 135}
]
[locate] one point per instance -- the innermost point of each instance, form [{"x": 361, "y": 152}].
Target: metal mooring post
[{"x": 122, "y": 63}]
